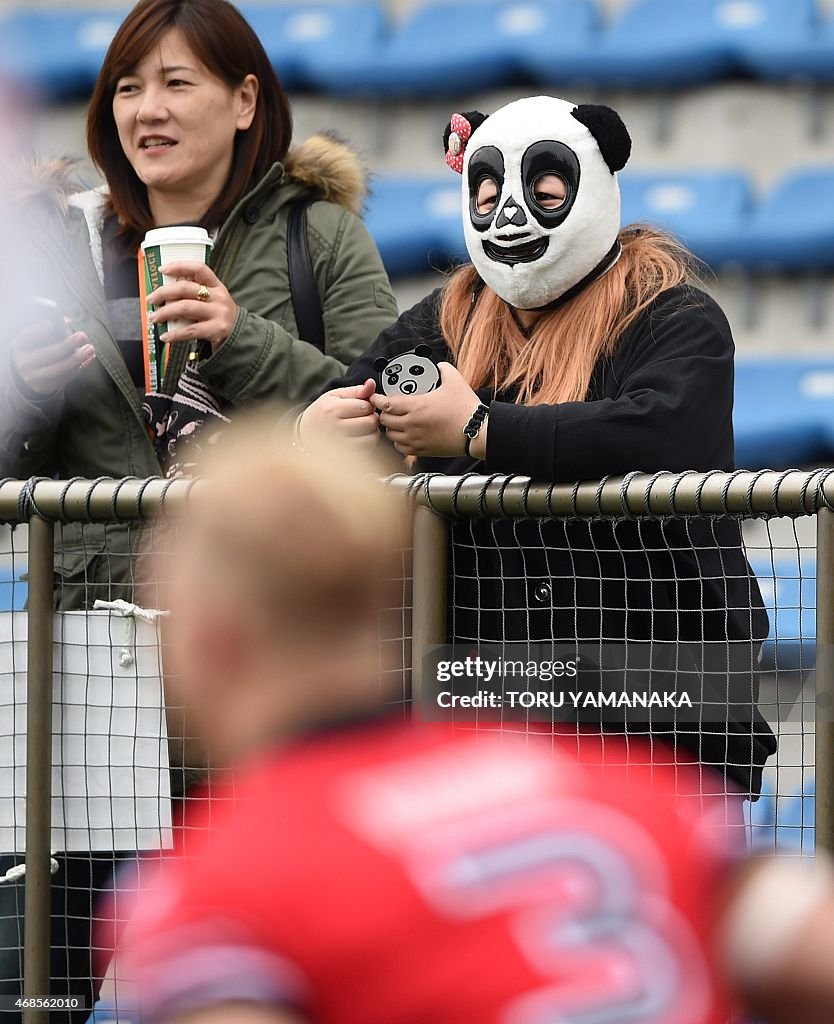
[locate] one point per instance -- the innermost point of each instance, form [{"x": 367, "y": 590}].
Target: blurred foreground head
[{"x": 281, "y": 568}]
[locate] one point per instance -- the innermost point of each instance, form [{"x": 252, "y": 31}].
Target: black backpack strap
[{"x": 303, "y": 288}]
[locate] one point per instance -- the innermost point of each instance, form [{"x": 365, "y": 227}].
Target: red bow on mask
[{"x": 461, "y": 131}]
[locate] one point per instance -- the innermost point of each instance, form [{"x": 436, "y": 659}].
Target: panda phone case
[{"x": 410, "y": 373}]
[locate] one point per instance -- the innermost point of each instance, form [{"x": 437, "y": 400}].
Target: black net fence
[{"x": 530, "y": 610}]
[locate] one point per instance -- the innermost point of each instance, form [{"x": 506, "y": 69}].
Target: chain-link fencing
[{"x": 641, "y": 583}]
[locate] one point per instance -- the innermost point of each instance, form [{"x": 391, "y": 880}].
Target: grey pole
[
  {"x": 824, "y": 746},
  {"x": 429, "y": 592},
  {"x": 38, "y": 764}
]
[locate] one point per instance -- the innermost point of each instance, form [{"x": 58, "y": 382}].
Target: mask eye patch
[
  {"x": 541, "y": 164},
  {"x": 487, "y": 163},
  {"x": 550, "y": 192},
  {"x": 486, "y": 196}
]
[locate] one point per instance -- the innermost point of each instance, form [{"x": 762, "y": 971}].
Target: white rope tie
[
  {"x": 130, "y": 613},
  {"x": 18, "y": 872}
]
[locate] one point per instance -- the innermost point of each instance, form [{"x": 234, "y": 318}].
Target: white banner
[{"x": 110, "y": 782}]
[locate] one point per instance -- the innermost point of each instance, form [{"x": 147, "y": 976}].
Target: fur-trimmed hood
[
  {"x": 323, "y": 163},
  {"x": 26, "y": 179},
  {"x": 331, "y": 168}
]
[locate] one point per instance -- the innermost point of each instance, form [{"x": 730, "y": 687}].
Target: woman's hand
[
  {"x": 212, "y": 318},
  {"x": 45, "y": 365},
  {"x": 430, "y": 424},
  {"x": 343, "y": 414}
]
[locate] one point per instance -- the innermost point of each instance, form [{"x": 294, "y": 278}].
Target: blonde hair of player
[{"x": 282, "y": 566}]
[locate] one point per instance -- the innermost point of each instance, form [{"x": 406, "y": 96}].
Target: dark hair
[{"x": 225, "y": 42}]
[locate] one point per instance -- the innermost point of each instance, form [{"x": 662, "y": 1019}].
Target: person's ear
[{"x": 248, "y": 99}]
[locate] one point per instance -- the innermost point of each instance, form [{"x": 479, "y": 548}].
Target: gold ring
[{"x": 203, "y": 294}]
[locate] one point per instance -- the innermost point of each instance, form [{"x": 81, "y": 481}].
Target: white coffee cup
[{"x": 169, "y": 245}]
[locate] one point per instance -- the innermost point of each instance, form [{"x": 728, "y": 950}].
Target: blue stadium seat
[
  {"x": 302, "y": 38},
  {"x": 795, "y": 819},
  {"x": 714, "y": 213},
  {"x": 784, "y": 416},
  {"x": 784, "y": 411},
  {"x": 107, "y": 1012},
  {"x": 783, "y": 823},
  {"x": 55, "y": 51},
  {"x": 655, "y": 43},
  {"x": 416, "y": 222},
  {"x": 793, "y": 226},
  {"x": 800, "y": 46},
  {"x": 760, "y": 818},
  {"x": 13, "y": 590},
  {"x": 788, "y": 587},
  {"x": 707, "y": 210},
  {"x": 450, "y": 48}
]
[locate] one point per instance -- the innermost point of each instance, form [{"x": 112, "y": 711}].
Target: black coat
[{"x": 662, "y": 401}]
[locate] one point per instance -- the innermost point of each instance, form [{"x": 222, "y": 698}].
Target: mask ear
[
  {"x": 381, "y": 363},
  {"x": 608, "y": 129},
  {"x": 458, "y": 132},
  {"x": 423, "y": 350}
]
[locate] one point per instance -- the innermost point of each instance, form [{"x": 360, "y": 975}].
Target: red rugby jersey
[{"x": 406, "y": 875}]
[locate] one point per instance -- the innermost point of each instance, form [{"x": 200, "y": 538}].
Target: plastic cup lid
[{"x": 163, "y": 236}]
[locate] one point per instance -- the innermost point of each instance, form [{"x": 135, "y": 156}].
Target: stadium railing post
[
  {"x": 38, "y": 762},
  {"x": 428, "y": 592},
  {"x": 824, "y": 748}
]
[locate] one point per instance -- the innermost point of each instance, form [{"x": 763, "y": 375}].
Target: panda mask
[{"x": 537, "y": 249}]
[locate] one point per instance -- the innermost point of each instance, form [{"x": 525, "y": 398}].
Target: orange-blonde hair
[{"x": 556, "y": 362}]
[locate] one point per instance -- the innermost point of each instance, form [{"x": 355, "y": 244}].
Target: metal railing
[{"x": 436, "y": 501}]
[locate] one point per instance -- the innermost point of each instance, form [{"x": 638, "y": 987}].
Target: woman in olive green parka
[
  {"x": 161, "y": 141},
  {"x": 188, "y": 124}
]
